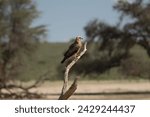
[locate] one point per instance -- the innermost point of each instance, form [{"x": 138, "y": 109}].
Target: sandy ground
[{"x": 95, "y": 90}]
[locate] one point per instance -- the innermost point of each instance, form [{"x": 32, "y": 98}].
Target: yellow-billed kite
[{"x": 74, "y": 49}]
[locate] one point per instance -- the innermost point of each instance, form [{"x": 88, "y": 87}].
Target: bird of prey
[{"x": 73, "y": 50}]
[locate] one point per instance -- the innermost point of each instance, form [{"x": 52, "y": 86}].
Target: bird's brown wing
[{"x": 72, "y": 50}]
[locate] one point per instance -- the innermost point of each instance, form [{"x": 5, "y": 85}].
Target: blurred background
[{"x": 34, "y": 34}]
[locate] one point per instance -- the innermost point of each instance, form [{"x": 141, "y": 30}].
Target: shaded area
[{"x": 106, "y": 95}]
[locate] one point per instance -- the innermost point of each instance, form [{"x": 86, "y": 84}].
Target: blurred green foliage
[
  {"x": 48, "y": 56},
  {"x": 18, "y": 36},
  {"x": 45, "y": 59}
]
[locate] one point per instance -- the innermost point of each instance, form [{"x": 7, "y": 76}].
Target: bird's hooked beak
[{"x": 80, "y": 37}]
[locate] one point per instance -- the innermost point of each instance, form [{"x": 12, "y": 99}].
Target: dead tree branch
[
  {"x": 65, "y": 94},
  {"x": 13, "y": 90}
]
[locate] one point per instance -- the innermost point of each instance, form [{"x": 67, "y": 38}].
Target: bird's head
[{"x": 78, "y": 39}]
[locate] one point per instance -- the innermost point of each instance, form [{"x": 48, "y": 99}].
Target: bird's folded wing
[{"x": 73, "y": 49}]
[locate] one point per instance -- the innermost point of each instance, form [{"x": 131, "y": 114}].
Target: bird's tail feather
[{"x": 63, "y": 60}]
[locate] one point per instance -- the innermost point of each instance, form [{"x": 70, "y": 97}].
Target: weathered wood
[{"x": 65, "y": 94}]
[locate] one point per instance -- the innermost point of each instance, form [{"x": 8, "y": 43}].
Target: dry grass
[{"x": 100, "y": 90}]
